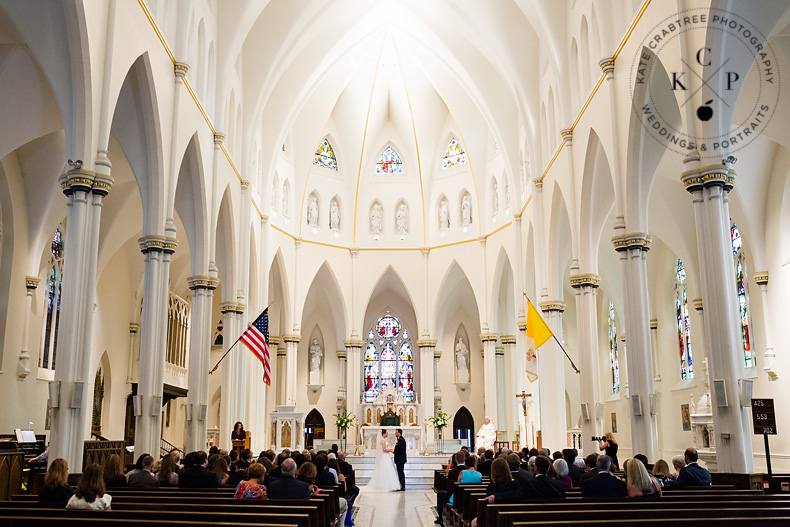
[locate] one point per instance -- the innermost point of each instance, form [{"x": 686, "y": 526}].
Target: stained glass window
[
  {"x": 54, "y": 285},
  {"x": 454, "y": 155},
  {"x": 389, "y": 163},
  {"x": 742, "y": 289},
  {"x": 388, "y": 359},
  {"x": 325, "y": 156},
  {"x": 614, "y": 360},
  {"x": 683, "y": 324}
]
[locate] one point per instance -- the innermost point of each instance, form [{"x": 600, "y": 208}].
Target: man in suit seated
[
  {"x": 569, "y": 455},
  {"x": 604, "y": 485},
  {"x": 196, "y": 476},
  {"x": 520, "y": 475},
  {"x": 590, "y": 468},
  {"x": 485, "y": 467},
  {"x": 459, "y": 459},
  {"x": 692, "y": 475},
  {"x": 288, "y": 487},
  {"x": 144, "y": 478},
  {"x": 539, "y": 487}
]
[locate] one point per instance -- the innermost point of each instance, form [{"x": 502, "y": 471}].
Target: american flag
[{"x": 257, "y": 339}]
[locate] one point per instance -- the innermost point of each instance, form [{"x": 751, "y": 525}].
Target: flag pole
[
  {"x": 557, "y": 341},
  {"x": 234, "y": 344}
]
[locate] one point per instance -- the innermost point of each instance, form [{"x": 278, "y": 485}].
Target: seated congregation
[
  {"x": 536, "y": 487},
  {"x": 309, "y": 488}
]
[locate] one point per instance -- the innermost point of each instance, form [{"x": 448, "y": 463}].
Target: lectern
[{"x": 241, "y": 444}]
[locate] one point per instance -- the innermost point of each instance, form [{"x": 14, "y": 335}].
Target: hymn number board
[{"x": 764, "y": 416}]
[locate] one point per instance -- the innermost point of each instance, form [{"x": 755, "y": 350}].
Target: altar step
[{"x": 419, "y": 469}]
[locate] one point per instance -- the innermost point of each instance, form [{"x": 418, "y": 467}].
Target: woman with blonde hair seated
[
  {"x": 56, "y": 487},
  {"x": 113, "y": 472},
  {"x": 639, "y": 482},
  {"x": 661, "y": 471}
]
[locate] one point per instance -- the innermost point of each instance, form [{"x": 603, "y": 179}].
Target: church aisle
[{"x": 385, "y": 509}]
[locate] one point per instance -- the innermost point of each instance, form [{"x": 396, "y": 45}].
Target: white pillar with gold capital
[
  {"x": 585, "y": 287},
  {"x": 489, "y": 341},
  {"x": 512, "y": 364},
  {"x": 769, "y": 355},
  {"x": 551, "y": 369},
  {"x": 532, "y": 420},
  {"x": 232, "y": 403},
  {"x": 291, "y": 354},
  {"x": 710, "y": 187},
  {"x": 353, "y": 375},
  {"x": 23, "y": 366},
  {"x": 426, "y": 393}
]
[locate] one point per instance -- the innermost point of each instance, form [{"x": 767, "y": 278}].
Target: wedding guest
[
  {"x": 661, "y": 471},
  {"x": 692, "y": 475},
  {"x": 561, "y": 466},
  {"x": 220, "y": 470},
  {"x": 56, "y": 488},
  {"x": 604, "y": 484},
  {"x": 113, "y": 472},
  {"x": 167, "y": 474},
  {"x": 145, "y": 477},
  {"x": 253, "y": 488},
  {"x": 238, "y": 434},
  {"x": 638, "y": 481},
  {"x": 90, "y": 491},
  {"x": 678, "y": 462},
  {"x": 288, "y": 487}
]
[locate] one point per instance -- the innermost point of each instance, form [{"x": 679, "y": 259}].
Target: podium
[{"x": 241, "y": 444}]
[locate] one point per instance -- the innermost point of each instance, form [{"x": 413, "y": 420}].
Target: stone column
[
  {"x": 130, "y": 373},
  {"x": 503, "y": 423},
  {"x": 585, "y": 287},
  {"x": 532, "y": 421},
  {"x": 437, "y": 391},
  {"x": 551, "y": 369},
  {"x": 632, "y": 249},
  {"x": 153, "y": 341},
  {"x": 769, "y": 356},
  {"x": 291, "y": 354},
  {"x": 512, "y": 372},
  {"x": 342, "y": 389},
  {"x": 654, "y": 348},
  {"x": 232, "y": 403},
  {"x": 490, "y": 375},
  {"x": 199, "y": 356},
  {"x": 427, "y": 390},
  {"x": 710, "y": 187},
  {"x": 354, "y": 374},
  {"x": 23, "y": 367},
  {"x": 278, "y": 348}
]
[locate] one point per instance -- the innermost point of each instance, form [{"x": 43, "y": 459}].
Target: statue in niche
[
  {"x": 402, "y": 219},
  {"x": 461, "y": 356},
  {"x": 524, "y": 176},
  {"x": 274, "y": 196},
  {"x": 334, "y": 216},
  {"x": 444, "y": 215},
  {"x": 507, "y": 192},
  {"x": 312, "y": 211},
  {"x": 495, "y": 197},
  {"x": 466, "y": 210},
  {"x": 285, "y": 199},
  {"x": 375, "y": 219},
  {"x": 316, "y": 357},
  {"x": 285, "y": 435}
]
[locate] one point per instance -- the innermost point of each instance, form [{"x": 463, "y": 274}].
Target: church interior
[{"x": 398, "y": 184}]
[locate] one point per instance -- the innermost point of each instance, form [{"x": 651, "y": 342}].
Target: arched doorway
[
  {"x": 313, "y": 427},
  {"x": 463, "y": 427}
]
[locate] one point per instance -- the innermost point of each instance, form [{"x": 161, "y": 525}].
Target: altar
[
  {"x": 390, "y": 400},
  {"x": 372, "y": 434}
]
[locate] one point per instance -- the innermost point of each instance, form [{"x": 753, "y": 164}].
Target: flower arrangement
[{"x": 440, "y": 420}]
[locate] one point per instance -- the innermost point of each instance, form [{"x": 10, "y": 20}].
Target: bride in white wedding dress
[{"x": 385, "y": 475}]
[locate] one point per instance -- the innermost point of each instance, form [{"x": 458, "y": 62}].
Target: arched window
[
  {"x": 49, "y": 345},
  {"x": 614, "y": 360},
  {"x": 98, "y": 403},
  {"x": 683, "y": 325},
  {"x": 389, "y": 163},
  {"x": 454, "y": 155},
  {"x": 742, "y": 288},
  {"x": 389, "y": 359},
  {"x": 324, "y": 156}
]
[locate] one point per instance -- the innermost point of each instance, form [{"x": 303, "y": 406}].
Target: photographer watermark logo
[{"x": 717, "y": 95}]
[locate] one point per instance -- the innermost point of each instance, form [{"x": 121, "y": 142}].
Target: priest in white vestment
[{"x": 486, "y": 435}]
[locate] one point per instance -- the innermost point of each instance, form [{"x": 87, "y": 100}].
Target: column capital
[
  {"x": 353, "y": 343},
  {"x": 708, "y": 176},
  {"x": 354, "y": 251},
  {"x": 488, "y": 337},
  {"x": 426, "y": 343},
  {"x": 552, "y": 305},
  {"x": 181, "y": 68},
  {"x": 202, "y": 282},
  {"x": 274, "y": 341},
  {"x": 134, "y": 327},
  {"x": 482, "y": 240},
  {"x": 585, "y": 279},
  {"x": 761, "y": 277},
  {"x": 156, "y": 242},
  {"x": 231, "y": 307},
  {"x": 538, "y": 182},
  {"x": 635, "y": 240},
  {"x": 31, "y": 282},
  {"x": 499, "y": 352},
  {"x": 697, "y": 303},
  {"x": 508, "y": 339},
  {"x": 342, "y": 354},
  {"x": 245, "y": 184},
  {"x": 437, "y": 354},
  {"x": 219, "y": 138},
  {"x": 85, "y": 180},
  {"x": 566, "y": 134},
  {"x": 425, "y": 251},
  {"x": 607, "y": 66},
  {"x": 292, "y": 337},
  {"x": 522, "y": 325},
  {"x": 653, "y": 323}
]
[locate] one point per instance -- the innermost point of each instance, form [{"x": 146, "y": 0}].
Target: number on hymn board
[{"x": 763, "y": 416}]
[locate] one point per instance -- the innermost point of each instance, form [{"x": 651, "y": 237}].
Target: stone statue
[
  {"x": 444, "y": 215},
  {"x": 524, "y": 177},
  {"x": 495, "y": 197},
  {"x": 461, "y": 355},
  {"x": 466, "y": 210},
  {"x": 274, "y": 196},
  {"x": 375, "y": 219},
  {"x": 316, "y": 356},
  {"x": 507, "y": 192},
  {"x": 486, "y": 435},
  {"x": 285, "y": 200},
  {"x": 312, "y": 211},
  {"x": 402, "y": 219},
  {"x": 334, "y": 216}
]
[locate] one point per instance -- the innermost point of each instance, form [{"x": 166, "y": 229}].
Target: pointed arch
[
  {"x": 389, "y": 163},
  {"x": 279, "y": 293},
  {"x": 325, "y": 155},
  {"x": 191, "y": 205},
  {"x": 456, "y": 301},
  {"x": 454, "y": 154},
  {"x": 559, "y": 242},
  {"x": 464, "y": 427},
  {"x": 502, "y": 296},
  {"x": 390, "y": 292},
  {"x": 325, "y": 291},
  {"x": 598, "y": 188},
  {"x": 225, "y": 246}
]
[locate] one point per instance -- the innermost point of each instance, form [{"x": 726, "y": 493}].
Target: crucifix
[{"x": 523, "y": 396}]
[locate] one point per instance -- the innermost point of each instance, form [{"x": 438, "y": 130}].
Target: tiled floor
[{"x": 413, "y": 508}]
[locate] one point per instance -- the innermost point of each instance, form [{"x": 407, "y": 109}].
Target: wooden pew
[
  {"x": 688, "y": 522},
  {"x": 101, "y": 519}
]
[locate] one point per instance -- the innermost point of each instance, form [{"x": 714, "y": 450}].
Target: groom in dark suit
[{"x": 399, "y": 453}]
